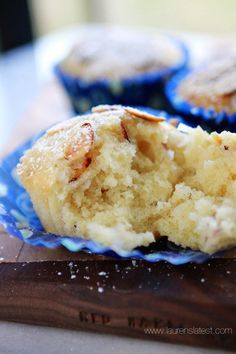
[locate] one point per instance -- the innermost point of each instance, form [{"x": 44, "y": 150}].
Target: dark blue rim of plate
[
  {"x": 20, "y": 220},
  {"x": 186, "y": 108},
  {"x": 150, "y": 77}
]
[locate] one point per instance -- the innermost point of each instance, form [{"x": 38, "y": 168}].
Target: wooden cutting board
[{"x": 190, "y": 304}]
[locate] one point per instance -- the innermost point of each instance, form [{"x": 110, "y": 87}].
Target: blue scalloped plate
[{"x": 19, "y": 219}]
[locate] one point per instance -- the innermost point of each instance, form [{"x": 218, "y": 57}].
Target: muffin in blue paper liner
[
  {"x": 19, "y": 219},
  {"x": 120, "y": 67},
  {"x": 206, "y": 95}
]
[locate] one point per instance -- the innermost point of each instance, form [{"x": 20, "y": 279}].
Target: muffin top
[
  {"x": 115, "y": 54},
  {"x": 213, "y": 86}
]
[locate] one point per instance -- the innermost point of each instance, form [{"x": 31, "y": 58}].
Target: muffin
[
  {"x": 207, "y": 94},
  {"x": 125, "y": 178},
  {"x": 111, "y": 65}
]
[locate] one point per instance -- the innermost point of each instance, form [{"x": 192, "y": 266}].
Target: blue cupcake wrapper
[
  {"x": 145, "y": 89},
  {"x": 19, "y": 219},
  {"x": 208, "y": 118}
]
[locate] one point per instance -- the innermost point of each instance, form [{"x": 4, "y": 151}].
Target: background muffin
[
  {"x": 208, "y": 94},
  {"x": 110, "y": 65}
]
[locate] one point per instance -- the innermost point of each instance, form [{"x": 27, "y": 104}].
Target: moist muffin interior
[{"x": 124, "y": 178}]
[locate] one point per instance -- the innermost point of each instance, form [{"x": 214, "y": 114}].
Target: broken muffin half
[{"x": 124, "y": 178}]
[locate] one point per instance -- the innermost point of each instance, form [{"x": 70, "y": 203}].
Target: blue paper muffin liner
[
  {"x": 145, "y": 89},
  {"x": 209, "y": 119},
  {"x": 19, "y": 219}
]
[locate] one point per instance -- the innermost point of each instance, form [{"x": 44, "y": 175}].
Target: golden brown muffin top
[
  {"x": 213, "y": 86},
  {"x": 106, "y": 53}
]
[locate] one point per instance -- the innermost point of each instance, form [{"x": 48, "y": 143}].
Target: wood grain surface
[{"x": 130, "y": 297}]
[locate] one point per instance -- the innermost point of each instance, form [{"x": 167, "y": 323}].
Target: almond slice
[
  {"x": 78, "y": 152},
  {"x": 124, "y": 131},
  {"x": 77, "y": 172},
  {"x": 143, "y": 115},
  {"x": 105, "y": 108},
  {"x": 81, "y": 143},
  {"x": 132, "y": 111}
]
